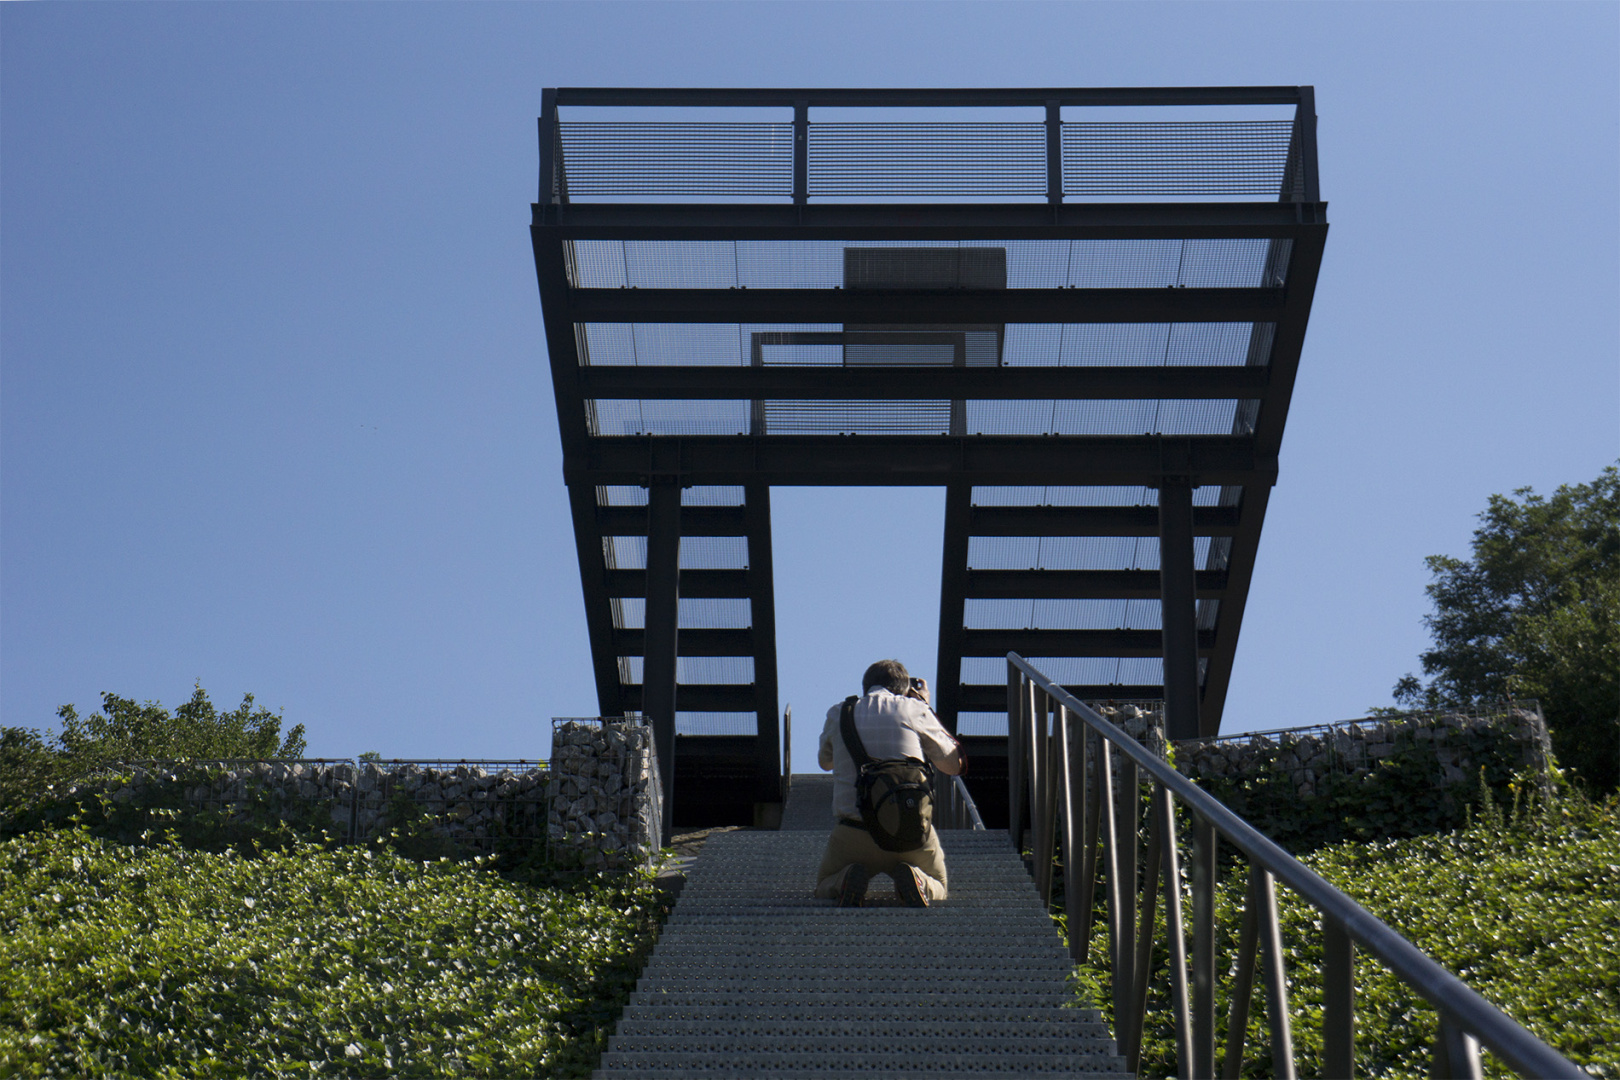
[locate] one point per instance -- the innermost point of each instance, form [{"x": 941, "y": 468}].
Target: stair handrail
[
  {"x": 954, "y": 807},
  {"x": 1050, "y": 754}
]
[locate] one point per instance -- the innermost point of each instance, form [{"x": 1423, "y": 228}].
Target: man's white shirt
[{"x": 890, "y": 726}]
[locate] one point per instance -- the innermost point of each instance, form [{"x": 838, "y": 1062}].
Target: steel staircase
[{"x": 753, "y": 977}]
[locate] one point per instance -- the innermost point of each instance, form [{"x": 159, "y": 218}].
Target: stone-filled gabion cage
[{"x": 606, "y": 797}]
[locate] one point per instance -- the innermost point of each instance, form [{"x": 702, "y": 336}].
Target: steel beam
[
  {"x": 897, "y": 306},
  {"x": 702, "y": 697},
  {"x": 943, "y": 97},
  {"x": 695, "y": 520},
  {"x": 1093, "y": 521},
  {"x": 880, "y": 460},
  {"x": 1083, "y": 584},
  {"x": 593, "y": 577},
  {"x": 762, "y": 603},
  {"x": 632, "y": 642},
  {"x": 661, "y": 637},
  {"x": 1127, "y": 643},
  {"x": 952, "y": 604},
  {"x": 708, "y": 584},
  {"x": 984, "y": 697},
  {"x": 1178, "y": 617},
  {"x": 928, "y": 221},
  {"x": 694, "y": 382}
]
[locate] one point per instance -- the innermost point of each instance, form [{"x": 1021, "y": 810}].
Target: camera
[{"x": 916, "y": 683}]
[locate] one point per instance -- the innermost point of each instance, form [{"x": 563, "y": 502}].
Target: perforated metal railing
[
  {"x": 1076, "y": 779},
  {"x": 847, "y": 160}
]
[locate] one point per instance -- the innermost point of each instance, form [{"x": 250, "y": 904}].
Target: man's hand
[{"x": 918, "y": 690}]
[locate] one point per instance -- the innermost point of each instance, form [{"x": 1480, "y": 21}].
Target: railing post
[
  {"x": 1176, "y": 933},
  {"x": 1204, "y": 869},
  {"x": 1118, "y": 942},
  {"x": 548, "y": 149},
  {"x": 1088, "y": 856},
  {"x": 801, "y": 153},
  {"x": 1015, "y": 756},
  {"x": 1338, "y": 1001},
  {"x": 1054, "y": 152},
  {"x": 1456, "y": 1054}
]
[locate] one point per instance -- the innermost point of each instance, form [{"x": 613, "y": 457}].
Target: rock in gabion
[
  {"x": 604, "y": 801},
  {"x": 1305, "y": 757}
]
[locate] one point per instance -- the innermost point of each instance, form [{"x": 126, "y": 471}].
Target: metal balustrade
[
  {"x": 1075, "y": 778},
  {"x": 953, "y": 806}
]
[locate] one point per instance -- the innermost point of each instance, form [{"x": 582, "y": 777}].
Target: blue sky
[{"x": 274, "y": 406}]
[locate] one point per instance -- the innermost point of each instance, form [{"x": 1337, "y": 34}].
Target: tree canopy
[{"x": 1535, "y": 613}]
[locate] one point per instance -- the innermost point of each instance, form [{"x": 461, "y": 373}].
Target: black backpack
[{"x": 896, "y": 797}]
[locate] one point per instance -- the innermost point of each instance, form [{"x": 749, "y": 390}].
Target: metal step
[{"x": 754, "y": 977}]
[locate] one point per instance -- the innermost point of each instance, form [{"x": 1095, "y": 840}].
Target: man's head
[{"x": 889, "y": 674}]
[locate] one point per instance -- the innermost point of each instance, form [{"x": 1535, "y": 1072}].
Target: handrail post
[
  {"x": 1015, "y": 756},
  {"x": 1204, "y": 870},
  {"x": 1338, "y": 1001},
  {"x": 548, "y": 149},
  {"x": 801, "y": 153},
  {"x": 1118, "y": 943},
  {"x": 1456, "y": 1054}
]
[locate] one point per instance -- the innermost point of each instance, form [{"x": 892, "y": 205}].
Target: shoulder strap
[{"x": 852, "y": 738}]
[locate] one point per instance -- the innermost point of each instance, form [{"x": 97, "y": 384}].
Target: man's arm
[
  {"x": 824, "y": 753},
  {"x": 939, "y": 745}
]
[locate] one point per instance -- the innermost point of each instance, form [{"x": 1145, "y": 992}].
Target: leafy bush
[
  {"x": 166, "y": 961},
  {"x": 1522, "y": 907}
]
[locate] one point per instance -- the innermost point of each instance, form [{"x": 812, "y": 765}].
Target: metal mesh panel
[
  {"x": 1132, "y": 344},
  {"x": 989, "y": 495},
  {"x": 716, "y": 723},
  {"x": 698, "y": 495},
  {"x": 1142, "y": 417},
  {"x": 697, "y": 552},
  {"x": 857, "y": 417},
  {"x": 1030, "y": 264},
  {"x": 1073, "y": 552},
  {"x": 676, "y": 159},
  {"x": 629, "y": 416},
  {"x": 1050, "y": 614},
  {"x": 1157, "y": 158},
  {"x": 696, "y": 670},
  {"x": 695, "y": 613},
  {"x": 927, "y": 159}
]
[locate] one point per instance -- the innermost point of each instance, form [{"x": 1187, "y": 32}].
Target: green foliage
[
  {"x": 1536, "y": 613},
  {"x": 1521, "y": 906},
  {"x": 161, "y": 960},
  {"x": 126, "y": 731}
]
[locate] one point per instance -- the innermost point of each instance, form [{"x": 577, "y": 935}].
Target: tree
[
  {"x": 1535, "y": 613},
  {"x": 126, "y": 731}
]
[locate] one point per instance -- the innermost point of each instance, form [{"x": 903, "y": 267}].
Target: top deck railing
[
  {"x": 1052, "y": 158},
  {"x": 1075, "y": 778}
]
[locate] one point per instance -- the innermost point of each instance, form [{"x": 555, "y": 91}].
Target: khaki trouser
[{"x": 849, "y": 845}]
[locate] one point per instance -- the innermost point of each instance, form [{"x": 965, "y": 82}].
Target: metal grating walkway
[{"x": 753, "y": 977}]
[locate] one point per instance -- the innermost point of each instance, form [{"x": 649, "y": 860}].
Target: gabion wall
[{"x": 606, "y": 800}]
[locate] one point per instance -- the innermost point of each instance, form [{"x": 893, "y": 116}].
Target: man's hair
[{"x": 889, "y": 674}]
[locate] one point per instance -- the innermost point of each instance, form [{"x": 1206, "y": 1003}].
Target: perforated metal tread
[{"x": 754, "y": 977}]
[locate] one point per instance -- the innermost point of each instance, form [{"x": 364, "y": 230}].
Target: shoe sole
[
  {"x": 853, "y": 890},
  {"x": 912, "y": 892}
]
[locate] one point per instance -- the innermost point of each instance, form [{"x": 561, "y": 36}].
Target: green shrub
[
  {"x": 166, "y": 961},
  {"x": 1523, "y": 906}
]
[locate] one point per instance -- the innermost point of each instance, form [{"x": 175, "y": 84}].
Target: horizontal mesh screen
[
  {"x": 697, "y": 552},
  {"x": 619, "y": 416},
  {"x": 1005, "y": 159},
  {"x": 696, "y": 670},
  {"x": 676, "y": 159},
  {"x": 1047, "y": 614},
  {"x": 1070, "y": 670},
  {"x": 1073, "y": 552},
  {"x": 696, "y": 613},
  {"x": 1052, "y": 495},
  {"x": 1136, "y": 344},
  {"x": 1030, "y": 264},
  {"x": 1156, "y": 158},
  {"x": 716, "y": 723},
  {"x": 927, "y": 159}
]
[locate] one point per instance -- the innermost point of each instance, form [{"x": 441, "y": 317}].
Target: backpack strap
[{"x": 852, "y": 738}]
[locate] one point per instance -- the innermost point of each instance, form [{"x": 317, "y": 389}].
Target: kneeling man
[{"x": 893, "y": 720}]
